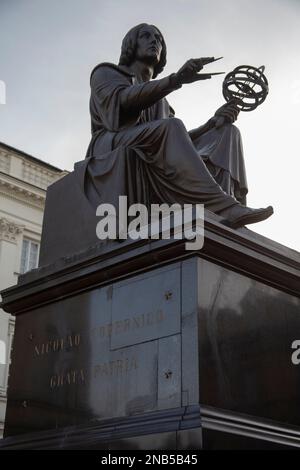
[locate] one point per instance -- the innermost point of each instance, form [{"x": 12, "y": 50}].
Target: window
[
  {"x": 29, "y": 257},
  {"x": 2, "y": 352}
]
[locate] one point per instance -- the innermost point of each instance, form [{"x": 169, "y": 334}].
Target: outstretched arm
[
  {"x": 111, "y": 87},
  {"x": 138, "y": 97},
  {"x": 141, "y": 96},
  {"x": 114, "y": 97}
]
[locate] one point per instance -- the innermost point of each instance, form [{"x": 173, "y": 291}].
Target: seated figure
[{"x": 139, "y": 149}]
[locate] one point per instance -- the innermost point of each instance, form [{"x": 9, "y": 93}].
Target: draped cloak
[{"x": 139, "y": 149}]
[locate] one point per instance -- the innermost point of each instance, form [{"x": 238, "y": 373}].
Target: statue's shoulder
[{"x": 107, "y": 68}]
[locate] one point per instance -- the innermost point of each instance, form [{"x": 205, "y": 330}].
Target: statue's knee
[
  {"x": 235, "y": 129},
  {"x": 176, "y": 123},
  {"x": 231, "y": 128}
]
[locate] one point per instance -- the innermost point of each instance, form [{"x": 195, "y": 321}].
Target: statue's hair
[{"x": 129, "y": 44}]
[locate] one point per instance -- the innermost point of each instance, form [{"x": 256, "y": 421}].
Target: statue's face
[{"x": 149, "y": 45}]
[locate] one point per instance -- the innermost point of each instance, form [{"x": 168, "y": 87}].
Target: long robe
[{"x": 139, "y": 149}]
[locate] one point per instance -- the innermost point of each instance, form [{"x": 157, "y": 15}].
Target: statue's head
[{"x": 144, "y": 42}]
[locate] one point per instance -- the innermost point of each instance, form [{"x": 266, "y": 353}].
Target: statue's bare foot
[{"x": 237, "y": 216}]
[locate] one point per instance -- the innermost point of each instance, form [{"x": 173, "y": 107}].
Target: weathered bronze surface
[
  {"x": 140, "y": 150},
  {"x": 136, "y": 138}
]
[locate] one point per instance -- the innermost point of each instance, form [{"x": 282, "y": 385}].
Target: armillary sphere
[{"x": 247, "y": 85}]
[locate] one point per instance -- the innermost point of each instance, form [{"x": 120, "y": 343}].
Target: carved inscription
[
  {"x": 133, "y": 323},
  {"x": 71, "y": 377},
  {"x": 114, "y": 368},
  {"x": 118, "y": 367},
  {"x": 57, "y": 344}
]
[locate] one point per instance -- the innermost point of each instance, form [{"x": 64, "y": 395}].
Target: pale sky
[{"x": 48, "y": 48}]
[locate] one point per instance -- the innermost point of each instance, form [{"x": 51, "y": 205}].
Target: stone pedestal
[{"x": 144, "y": 345}]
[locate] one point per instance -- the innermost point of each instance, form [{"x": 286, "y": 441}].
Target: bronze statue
[{"x": 140, "y": 149}]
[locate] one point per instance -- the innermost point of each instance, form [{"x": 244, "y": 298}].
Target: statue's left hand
[{"x": 228, "y": 112}]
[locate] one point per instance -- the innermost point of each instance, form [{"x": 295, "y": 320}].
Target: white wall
[
  {"x": 6, "y": 335},
  {"x": 23, "y": 184}
]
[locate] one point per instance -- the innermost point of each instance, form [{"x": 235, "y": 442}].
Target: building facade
[{"x": 23, "y": 183}]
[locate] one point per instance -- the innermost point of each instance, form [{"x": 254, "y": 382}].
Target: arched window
[{"x": 2, "y": 352}]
